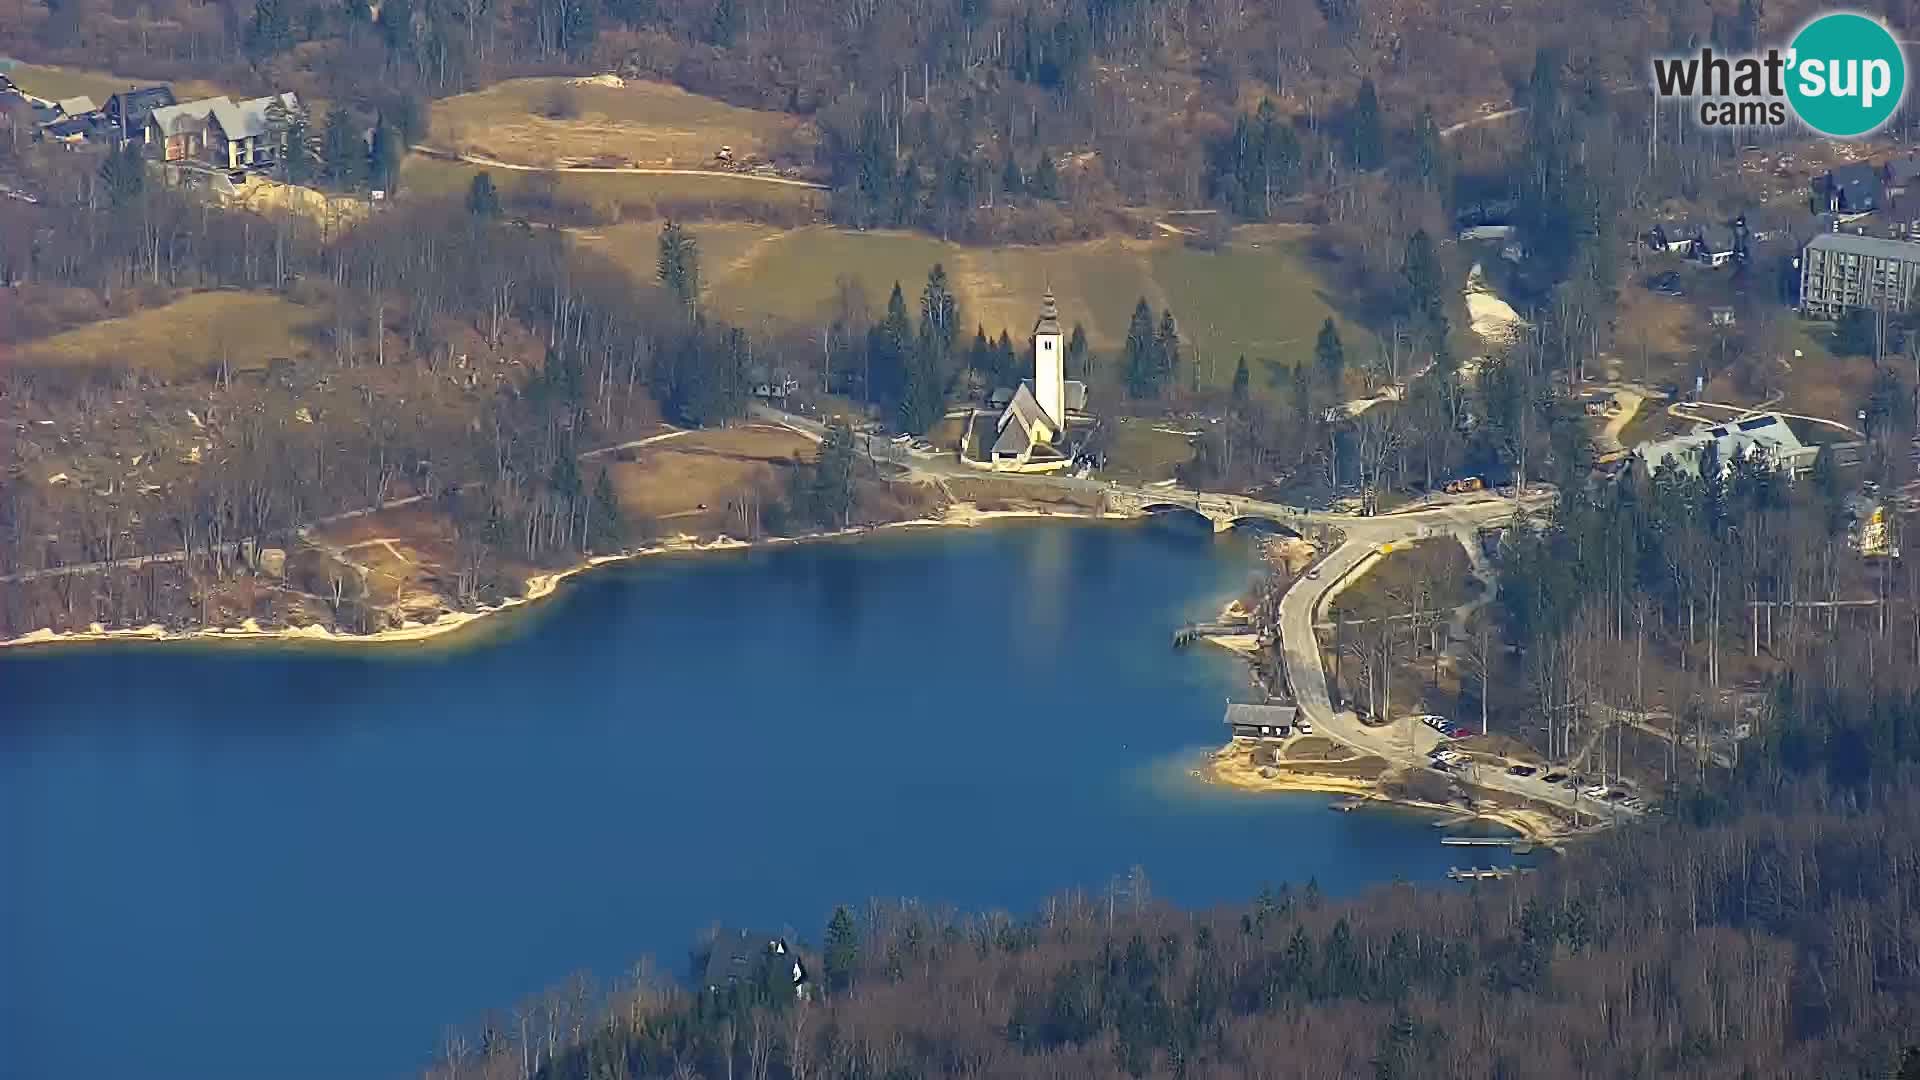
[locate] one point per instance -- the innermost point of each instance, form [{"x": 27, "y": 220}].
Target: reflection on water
[{"x": 231, "y": 851}]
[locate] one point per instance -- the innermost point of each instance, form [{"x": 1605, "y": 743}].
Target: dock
[
  {"x": 1482, "y": 841},
  {"x": 1490, "y": 873},
  {"x": 1193, "y": 632}
]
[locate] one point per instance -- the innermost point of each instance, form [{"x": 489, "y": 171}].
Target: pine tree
[
  {"x": 890, "y": 350},
  {"x": 1420, "y": 277},
  {"x": 1079, "y": 357},
  {"x": 342, "y": 151},
  {"x": 297, "y": 149},
  {"x": 270, "y": 31},
  {"x": 1330, "y": 355},
  {"x": 124, "y": 174},
  {"x": 980, "y": 354},
  {"x": 1166, "y": 345},
  {"x": 832, "y": 493},
  {"x": 842, "y": 952},
  {"x": 388, "y": 151},
  {"x": 1003, "y": 361},
  {"x": 607, "y": 533},
  {"x": 1011, "y": 181},
  {"x": 1143, "y": 359},
  {"x": 678, "y": 266},
  {"x": 1429, "y": 152},
  {"x": 1366, "y": 137},
  {"x": 1242, "y": 380},
  {"x": 1046, "y": 181},
  {"x": 482, "y": 200}
]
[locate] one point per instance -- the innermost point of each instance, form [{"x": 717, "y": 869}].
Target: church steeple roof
[{"x": 1049, "y": 316}]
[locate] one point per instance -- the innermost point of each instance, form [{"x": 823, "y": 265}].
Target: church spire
[{"x": 1049, "y": 316}]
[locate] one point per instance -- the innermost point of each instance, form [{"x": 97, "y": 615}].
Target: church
[{"x": 1029, "y": 433}]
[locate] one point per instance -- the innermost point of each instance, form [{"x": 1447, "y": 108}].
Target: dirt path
[{"x": 622, "y": 170}]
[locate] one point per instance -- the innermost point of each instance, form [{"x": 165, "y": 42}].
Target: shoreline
[
  {"x": 538, "y": 587},
  {"x": 1532, "y": 825}
]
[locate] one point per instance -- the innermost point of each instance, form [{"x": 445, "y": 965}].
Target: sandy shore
[
  {"x": 1233, "y": 767},
  {"x": 538, "y": 587}
]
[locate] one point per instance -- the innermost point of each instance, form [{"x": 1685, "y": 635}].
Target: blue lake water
[{"x": 308, "y": 862}]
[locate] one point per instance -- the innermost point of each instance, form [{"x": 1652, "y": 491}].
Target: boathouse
[{"x": 1260, "y": 721}]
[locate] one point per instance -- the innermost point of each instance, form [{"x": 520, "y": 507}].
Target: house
[
  {"x": 1766, "y": 435},
  {"x": 771, "y": 384},
  {"x": 737, "y": 956},
  {"x": 74, "y": 130},
  {"x": 1853, "y": 189},
  {"x": 239, "y": 135},
  {"x": 217, "y": 131},
  {"x": 1260, "y": 721},
  {"x": 127, "y": 111},
  {"x": 1715, "y": 245},
  {"x": 76, "y": 107},
  {"x": 179, "y": 132},
  {"x": 1843, "y": 271},
  {"x": 1672, "y": 237}
]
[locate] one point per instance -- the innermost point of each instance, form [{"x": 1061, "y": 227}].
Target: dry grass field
[
  {"x": 613, "y": 196},
  {"x": 684, "y": 483},
  {"x": 185, "y": 337},
  {"x": 54, "y": 83},
  {"x": 552, "y": 122}
]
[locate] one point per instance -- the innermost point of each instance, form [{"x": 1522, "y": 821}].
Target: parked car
[
  {"x": 1554, "y": 777},
  {"x": 1304, "y": 726},
  {"x": 1465, "y": 485},
  {"x": 1616, "y": 795},
  {"x": 1597, "y": 791},
  {"x": 1432, "y": 720},
  {"x": 1522, "y": 770},
  {"x": 901, "y": 439},
  {"x": 1313, "y": 573}
]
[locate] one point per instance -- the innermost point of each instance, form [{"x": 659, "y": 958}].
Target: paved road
[
  {"x": 1405, "y": 742},
  {"x": 622, "y": 170}
]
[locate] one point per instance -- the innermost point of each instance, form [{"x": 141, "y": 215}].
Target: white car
[
  {"x": 1432, "y": 721},
  {"x": 1597, "y": 791},
  {"x": 901, "y": 440},
  {"x": 1304, "y": 727}
]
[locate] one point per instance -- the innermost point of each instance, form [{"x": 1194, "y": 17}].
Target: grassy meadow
[
  {"x": 186, "y": 336},
  {"x": 640, "y": 123},
  {"x": 614, "y": 196},
  {"x": 54, "y": 83},
  {"x": 1258, "y": 297}
]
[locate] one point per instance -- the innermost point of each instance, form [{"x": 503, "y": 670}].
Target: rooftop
[
  {"x": 1876, "y": 246},
  {"x": 1767, "y": 433}
]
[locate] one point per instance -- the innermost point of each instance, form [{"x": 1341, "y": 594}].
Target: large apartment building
[{"x": 1842, "y": 271}]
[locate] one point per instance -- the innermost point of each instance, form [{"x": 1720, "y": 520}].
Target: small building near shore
[{"x": 1267, "y": 722}]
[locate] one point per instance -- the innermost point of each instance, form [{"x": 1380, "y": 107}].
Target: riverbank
[
  {"x": 1232, "y": 766},
  {"x": 537, "y": 587}
]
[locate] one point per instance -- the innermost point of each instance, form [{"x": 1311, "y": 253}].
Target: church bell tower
[{"x": 1049, "y": 360}]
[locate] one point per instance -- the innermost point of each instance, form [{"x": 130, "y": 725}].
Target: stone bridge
[{"x": 1223, "y": 512}]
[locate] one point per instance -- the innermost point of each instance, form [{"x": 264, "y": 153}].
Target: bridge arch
[
  {"x": 1173, "y": 511},
  {"x": 1263, "y": 524}
]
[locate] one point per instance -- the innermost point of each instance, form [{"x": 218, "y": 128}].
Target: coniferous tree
[
  {"x": 342, "y": 151},
  {"x": 1242, "y": 381},
  {"x": 606, "y": 533},
  {"x": 1079, "y": 356},
  {"x": 1046, "y": 181},
  {"x": 842, "y": 951},
  {"x": 832, "y": 493},
  {"x": 1329, "y": 355},
  {"x": 980, "y": 353},
  {"x": 890, "y": 346},
  {"x": 387, "y": 153},
  {"x": 1143, "y": 358},
  {"x": 269, "y": 31},
  {"x": 678, "y": 265},
  {"x": 1011, "y": 181},
  {"x": 1166, "y": 346},
  {"x": 482, "y": 200},
  {"x": 1366, "y": 134},
  {"x": 124, "y": 174},
  {"x": 1003, "y": 359}
]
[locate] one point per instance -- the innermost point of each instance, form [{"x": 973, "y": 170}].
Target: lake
[{"x": 244, "y": 861}]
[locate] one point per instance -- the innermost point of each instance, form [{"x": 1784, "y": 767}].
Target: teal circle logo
[{"x": 1846, "y": 75}]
